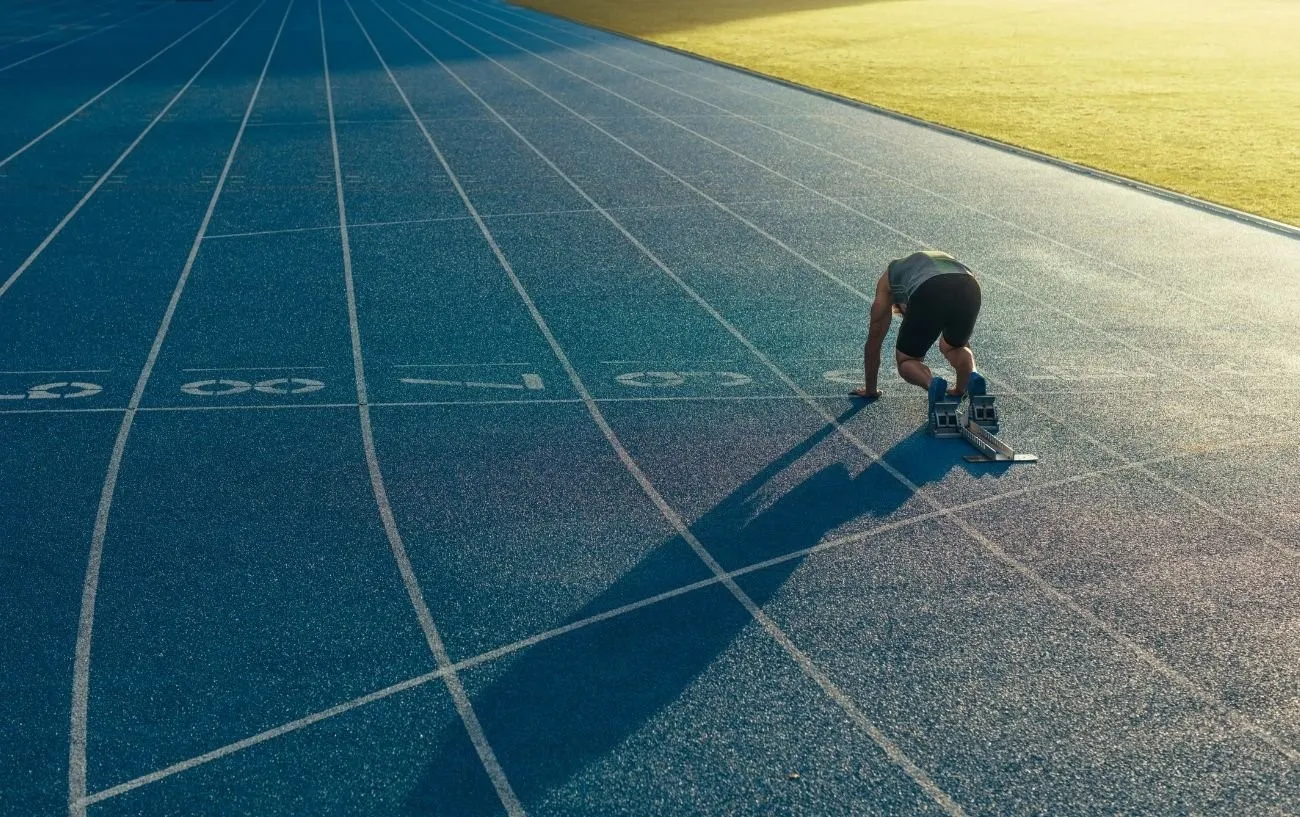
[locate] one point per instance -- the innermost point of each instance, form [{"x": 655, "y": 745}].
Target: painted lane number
[
  {"x": 56, "y": 391},
  {"x": 279, "y": 385},
  {"x": 531, "y": 382},
  {"x": 647, "y": 380}
]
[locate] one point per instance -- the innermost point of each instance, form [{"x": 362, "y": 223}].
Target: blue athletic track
[{"x": 436, "y": 408}]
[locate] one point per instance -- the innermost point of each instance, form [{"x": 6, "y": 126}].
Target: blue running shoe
[
  {"x": 976, "y": 387},
  {"x": 938, "y": 391}
]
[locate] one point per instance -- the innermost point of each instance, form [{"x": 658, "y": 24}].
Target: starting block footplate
[{"x": 990, "y": 447}]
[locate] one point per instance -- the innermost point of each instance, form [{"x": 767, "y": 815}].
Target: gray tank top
[{"x": 906, "y": 274}]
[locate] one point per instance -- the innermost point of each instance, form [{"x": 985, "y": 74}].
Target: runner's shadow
[{"x": 555, "y": 713}]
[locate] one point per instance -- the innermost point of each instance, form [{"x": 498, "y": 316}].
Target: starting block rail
[{"x": 977, "y": 426}]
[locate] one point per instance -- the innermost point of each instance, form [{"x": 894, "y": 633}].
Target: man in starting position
[{"x": 939, "y": 298}]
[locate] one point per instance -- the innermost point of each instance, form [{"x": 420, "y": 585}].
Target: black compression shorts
[{"x": 946, "y": 304}]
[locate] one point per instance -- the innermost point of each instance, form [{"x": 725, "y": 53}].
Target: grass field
[{"x": 1201, "y": 97}]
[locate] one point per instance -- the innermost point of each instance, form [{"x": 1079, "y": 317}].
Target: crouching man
[{"x": 939, "y": 299}]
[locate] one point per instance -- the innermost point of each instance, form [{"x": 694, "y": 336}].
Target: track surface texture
[{"x": 438, "y": 408}]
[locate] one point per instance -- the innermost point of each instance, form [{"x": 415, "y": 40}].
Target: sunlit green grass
[{"x": 1198, "y": 96}]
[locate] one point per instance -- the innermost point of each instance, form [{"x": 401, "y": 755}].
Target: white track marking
[
  {"x": 85, "y": 628},
  {"x": 702, "y": 398},
  {"x": 62, "y": 411},
  {"x": 463, "y": 705},
  {"x": 9, "y": 282},
  {"x": 1238, "y": 315},
  {"x": 67, "y": 43},
  {"x": 1144, "y": 655},
  {"x": 257, "y": 369},
  {"x": 516, "y": 646},
  {"x": 456, "y": 365},
  {"x": 885, "y": 743},
  {"x": 256, "y": 407},
  {"x": 827, "y": 273},
  {"x": 52, "y": 128},
  {"x": 286, "y": 231},
  {"x": 57, "y": 371},
  {"x": 670, "y": 365},
  {"x": 491, "y": 216}
]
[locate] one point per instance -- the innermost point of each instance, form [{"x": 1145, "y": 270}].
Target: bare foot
[{"x": 865, "y": 394}]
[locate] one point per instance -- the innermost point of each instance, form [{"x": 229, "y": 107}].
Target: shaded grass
[{"x": 1201, "y": 96}]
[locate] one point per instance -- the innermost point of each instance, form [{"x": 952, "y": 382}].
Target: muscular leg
[
  {"x": 913, "y": 370},
  {"x": 962, "y": 360}
]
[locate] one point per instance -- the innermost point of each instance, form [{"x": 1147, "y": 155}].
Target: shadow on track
[{"x": 555, "y": 708}]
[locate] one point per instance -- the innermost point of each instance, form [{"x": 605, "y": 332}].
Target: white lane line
[
  {"x": 827, "y": 273},
  {"x": 36, "y": 253},
  {"x": 616, "y": 612},
  {"x": 1164, "y": 285},
  {"x": 257, "y": 369},
  {"x": 454, "y": 365},
  {"x": 491, "y": 216},
  {"x": 669, "y": 364},
  {"x": 67, "y": 43},
  {"x": 56, "y": 371},
  {"x": 330, "y": 227},
  {"x": 1193, "y": 451},
  {"x": 83, "y": 106},
  {"x": 885, "y": 743},
  {"x": 252, "y": 407},
  {"x": 1194, "y": 690},
  {"x": 5, "y": 411},
  {"x": 732, "y": 398},
  {"x": 452, "y": 680},
  {"x": 85, "y": 628}
]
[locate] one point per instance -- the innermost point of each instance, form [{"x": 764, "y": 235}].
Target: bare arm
[{"x": 882, "y": 314}]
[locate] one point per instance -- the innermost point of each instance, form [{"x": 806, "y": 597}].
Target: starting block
[
  {"x": 983, "y": 412},
  {"x": 978, "y": 426}
]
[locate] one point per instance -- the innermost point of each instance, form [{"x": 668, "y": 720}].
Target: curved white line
[
  {"x": 505, "y": 792},
  {"x": 90, "y": 589}
]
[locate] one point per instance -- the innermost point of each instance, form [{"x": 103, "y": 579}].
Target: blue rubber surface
[{"x": 498, "y": 458}]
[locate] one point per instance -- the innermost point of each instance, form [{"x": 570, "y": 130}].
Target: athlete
[{"x": 939, "y": 299}]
